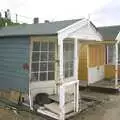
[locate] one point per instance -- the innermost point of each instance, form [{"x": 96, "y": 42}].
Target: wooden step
[{"x": 54, "y": 107}]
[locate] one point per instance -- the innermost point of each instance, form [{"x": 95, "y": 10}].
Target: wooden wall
[
  {"x": 82, "y": 69},
  {"x": 110, "y": 71},
  {"x": 96, "y": 55}
]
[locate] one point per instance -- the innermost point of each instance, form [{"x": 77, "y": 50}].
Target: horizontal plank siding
[{"x": 14, "y": 52}]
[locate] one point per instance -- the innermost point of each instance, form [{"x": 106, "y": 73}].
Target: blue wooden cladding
[{"x": 14, "y": 53}]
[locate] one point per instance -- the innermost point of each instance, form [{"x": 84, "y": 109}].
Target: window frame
[
  {"x": 71, "y": 42},
  {"x": 107, "y": 56},
  {"x": 39, "y": 61}
]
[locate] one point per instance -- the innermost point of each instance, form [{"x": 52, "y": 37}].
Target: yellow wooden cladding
[
  {"x": 96, "y": 55},
  {"x": 110, "y": 71},
  {"x": 82, "y": 69},
  {"x": 91, "y": 55}
]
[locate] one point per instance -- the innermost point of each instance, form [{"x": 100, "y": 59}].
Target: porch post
[
  {"x": 62, "y": 89},
  {"x": 116, "y": 64},
  {"x": 76, "y": 74}
]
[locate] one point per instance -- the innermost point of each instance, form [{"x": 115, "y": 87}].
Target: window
[
  {"x": 43, "y": 56},
  {"x": 111, "y": 54},
  {"x": 68, "y": 58}
]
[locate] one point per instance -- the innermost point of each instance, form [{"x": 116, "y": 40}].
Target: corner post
[
  {"x": 76, "y": 75},
  {"x": 61, "y": 87},
  {"x": 116, "y": 65}
]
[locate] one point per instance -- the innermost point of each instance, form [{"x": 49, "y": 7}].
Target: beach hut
[
  {"x": 42, "y": 59},
  {"x": 103, "y": 60}
]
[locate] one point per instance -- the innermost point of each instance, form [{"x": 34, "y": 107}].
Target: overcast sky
[{"x": 102, "y": 12}]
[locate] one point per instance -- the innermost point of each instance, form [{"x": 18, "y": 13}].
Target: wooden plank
[{"x": 54, "y": 107}]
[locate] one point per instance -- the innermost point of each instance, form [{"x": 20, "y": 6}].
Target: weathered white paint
[
  {"x": 40, "y": 86},
  {"x": 116, "y": 59},
  {"x": 62, "y": 102},
  {"x": 118, "y": 38},
  {"x": 76, "y": 88},
  {"x": 86, "y": 33},
  {"x": 82, "y": 29},
  {"x": 116, "y": 65},
  {"x": 95, "y": 74}
]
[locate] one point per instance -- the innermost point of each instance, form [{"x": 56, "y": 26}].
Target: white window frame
[
  {"x": 38, "y": 72},
  {"x": 113, "y": 62},
  {"x": 71, "y": 42}
]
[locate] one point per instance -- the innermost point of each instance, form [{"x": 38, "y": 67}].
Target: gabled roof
[
  {"x": 109, "y": 32},
  {"x": 36, "y": 29}
]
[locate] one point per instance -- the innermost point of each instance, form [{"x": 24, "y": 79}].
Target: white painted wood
[
  {"x": 77, "y": 97},
  {"x": 95, "y": 74},
  {"x": 81, "y": 30},
  {"x": 66, "y": 84},
  {"x": 116, "y": 65},
  {"x": 62, "y": 103},
  {"x": 118, "y": 38},
  {"x": 116, "y": 59},
  {"x": 54, "y": 107},
  {"x": 48, "y": 113},
  {"x": 61, "y": 59},
  {"x": 42, "y": 87},
  {"x": 76, "y": 59},
  {"x": 86, "y": 32}
]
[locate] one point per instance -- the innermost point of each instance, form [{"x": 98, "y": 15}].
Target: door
[
  {"x": 82, "y": 66},
  {"x": 96, "y": 63},
  {"x": 42, "y": 69}
]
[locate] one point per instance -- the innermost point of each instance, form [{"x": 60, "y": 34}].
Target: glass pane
[
  {"x": 44, "y": 46},
  {"x": 70, "y": 55},
  {"x": 71, "y": 46},
  {"x": 110, "y": 54},
  {"x": 43, "y": 66},
  {"x": 51, "y": 66},
  {"x": 50, "y": 75},
  {"x": 51, "y": 56},
  {"x": 51, "y": 46},
  {"x": 65, "y": 55},
  {"x": 44, "y": 56},
  {"x": 34, "y": 76},
  {"x": 66, "y": 65},
  {"x": 36, "y": 46},
  {"x": 43, "y": 76},
  {"x": 70, "y": 73},
  {"x": 35, "y": 67},
  {"x": 35, "y": 56},
  {"x": 66, "y": 74},
  {"x": 65, "y": 47},
  {"x": 71, "y": 64}
]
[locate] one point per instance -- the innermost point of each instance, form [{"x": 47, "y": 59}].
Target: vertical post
[
  {"x": 62, "y": 102},
  {"x": 76, "y": 74},
  {"x": 62, "y": 90},
  {"x": 61, "y": 59},
  {"x": 116, "y": 65}
]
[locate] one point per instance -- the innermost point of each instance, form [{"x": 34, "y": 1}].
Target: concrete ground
[{"x": 108, "y": 109}]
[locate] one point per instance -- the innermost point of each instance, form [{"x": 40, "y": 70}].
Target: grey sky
[
  {"x": 102, "y": 12},
  {"x": 108, "y": 15}
]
